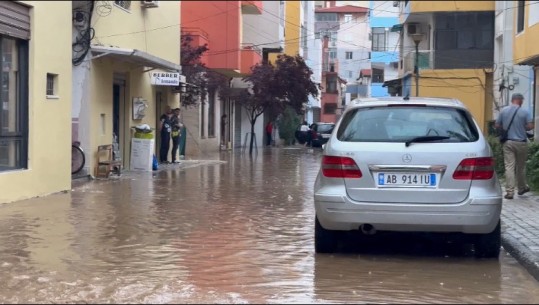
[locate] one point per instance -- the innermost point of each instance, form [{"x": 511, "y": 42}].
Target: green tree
[{"x": 288, "y": 123}]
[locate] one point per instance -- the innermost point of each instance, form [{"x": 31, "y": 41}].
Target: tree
[
  {"x": 288, "y": 83},
  {"x": 200, "y": 79}
]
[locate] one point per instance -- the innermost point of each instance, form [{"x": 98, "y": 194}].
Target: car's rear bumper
[{"x": 475, "y": 215}]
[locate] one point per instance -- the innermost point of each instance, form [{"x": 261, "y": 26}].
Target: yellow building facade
[
  {"x": 292, "y": 30},
  {"x": 113, "y": 81},
  {"x": 450, "y": 67},
  {"x": 36, "y": 99}
]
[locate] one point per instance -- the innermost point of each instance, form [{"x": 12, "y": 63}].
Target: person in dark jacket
[{"x": 165, "y": 129}]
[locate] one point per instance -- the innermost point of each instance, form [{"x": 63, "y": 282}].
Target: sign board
[
  {"x": 142, "y": 154},
  {"x": 166, "y": 78}
]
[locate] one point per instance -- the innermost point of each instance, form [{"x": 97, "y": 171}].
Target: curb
[{"x": 522, "y": 254}]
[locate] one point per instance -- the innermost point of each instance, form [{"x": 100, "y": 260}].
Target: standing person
[
  {"x": 306, "y": 131},
  {"x": 165, "y": 128},
  {"x": 269, "y": 132},
  {"x": 177, "y": 125},
  {"x": 223, "y": 131},
  {"x": 516, "y": 121}
]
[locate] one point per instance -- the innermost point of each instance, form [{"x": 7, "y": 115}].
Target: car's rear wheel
[
  {"x": 488, "y": 245},
  {"x": 325, "y": 241}
]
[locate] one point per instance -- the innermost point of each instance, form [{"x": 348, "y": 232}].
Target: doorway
[{"x": 118, "y": 108}]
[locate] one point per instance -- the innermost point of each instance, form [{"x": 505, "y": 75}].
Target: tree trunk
[{"x": 252, "y": 136}]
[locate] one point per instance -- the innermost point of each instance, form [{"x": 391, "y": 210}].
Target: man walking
[{"x": 516, "y": 121}]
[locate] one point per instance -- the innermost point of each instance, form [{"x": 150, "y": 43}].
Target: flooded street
[{"x": 235, "y": 230}]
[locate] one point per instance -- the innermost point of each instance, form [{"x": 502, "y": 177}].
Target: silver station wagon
[{"x": 414, "y": 165}]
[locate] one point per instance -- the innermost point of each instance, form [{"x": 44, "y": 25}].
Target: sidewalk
[{"x": 520, "y": 230}]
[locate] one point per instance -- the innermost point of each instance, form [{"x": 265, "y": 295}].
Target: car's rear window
[
  {"x": 325, "y": 128},
  {"x": 402, "y": 123}
]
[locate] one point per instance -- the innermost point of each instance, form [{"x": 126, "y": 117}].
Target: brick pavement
[{"x": 520, "y": 230}]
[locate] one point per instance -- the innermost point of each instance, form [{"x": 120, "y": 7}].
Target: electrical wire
[{"x": 81, "y": 46}]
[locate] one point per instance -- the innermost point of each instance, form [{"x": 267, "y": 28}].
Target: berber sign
[{"x": 165, "y": 79}]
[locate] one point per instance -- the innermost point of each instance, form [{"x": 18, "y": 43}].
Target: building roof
[{"x": 346, "y": 9}]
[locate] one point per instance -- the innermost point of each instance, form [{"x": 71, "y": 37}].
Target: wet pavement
[{"x": 230, "y": 230}]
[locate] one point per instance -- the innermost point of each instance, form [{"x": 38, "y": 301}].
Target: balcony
[
  {"x": 250, "y": 56},
  {"x": 251, "y": 7},
  {"x": 425, "y": 60},
  {"x": 199, "y": 38}
]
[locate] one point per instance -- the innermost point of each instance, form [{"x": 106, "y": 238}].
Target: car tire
[
  {"x": 325, "y": 241},
  {"x": 488, "y": 245}
]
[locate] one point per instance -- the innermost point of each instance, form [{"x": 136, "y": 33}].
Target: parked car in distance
[
  {"x": 320, "y": 133},
  {"x": 412, "y": 165}
]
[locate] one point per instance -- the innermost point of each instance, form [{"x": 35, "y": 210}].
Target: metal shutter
[{"x": 14, "y": 20}]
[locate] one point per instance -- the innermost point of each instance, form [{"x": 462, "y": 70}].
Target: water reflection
[{"x": 233, "y": 230}]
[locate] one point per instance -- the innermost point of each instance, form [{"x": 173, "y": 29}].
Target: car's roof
[{"x": 429, "y": 101}]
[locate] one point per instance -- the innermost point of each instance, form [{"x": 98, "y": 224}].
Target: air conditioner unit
[
  {"x": 413, "y": 28},
  {"x": 395, "y": 3},
  {"x": 149, "y": 3}
]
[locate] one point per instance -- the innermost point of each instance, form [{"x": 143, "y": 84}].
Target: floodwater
[{"x": 232, "y": 230}]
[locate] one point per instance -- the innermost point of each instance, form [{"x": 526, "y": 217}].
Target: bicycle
[{"x": 77, "y": 158}]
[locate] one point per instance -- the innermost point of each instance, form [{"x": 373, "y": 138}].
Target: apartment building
[
  {"x": 35, "y": 49},
  {"x": 235, "y": 34},
  {"x": 455, "y": 51},
  {"x": 385, "y": 40},
  {"x": 346, "y": 52},
  {"x": 526, "y": 50}
]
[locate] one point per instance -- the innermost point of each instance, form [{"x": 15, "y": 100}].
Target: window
[
  {"x": 331, "y": 85},
  {"x": 14, "y": 101},
  {"x": 317, "y": 35},
  {"x": 330, "y": 108},
  {"x": 385, "y": 124},
  {"x": 347, "y": 18},
  {"x": 350, "y": 74},
  {"x": 211, "y": 114},
  {"x": 520, "y": 16},
  {"x": 123, "y": 4},
  {"x": 52, "y": 80},
  {"x": 326, "y": 17},
  {"x": 349, "y": 55},
  {"x": 333, "y": 38},
  {"x": 332, "y": 53},
  {"x": 464, "y": 31},
  {"x": 378, "y": 39},
  {"x": 202, "y": 119},
  {"x": 377, "y": 75}
]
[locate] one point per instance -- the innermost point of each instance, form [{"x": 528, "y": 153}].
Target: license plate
[
  {"x": 325, "y": 136},
  {"x": 407, "y": 179}
]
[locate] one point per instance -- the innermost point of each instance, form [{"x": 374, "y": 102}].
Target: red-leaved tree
[
  {"x": 200, "y": 80},
  {"x": 288, "y": 83}
]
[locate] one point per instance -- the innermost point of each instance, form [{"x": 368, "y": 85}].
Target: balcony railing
[{"x": 425, "y": 60}]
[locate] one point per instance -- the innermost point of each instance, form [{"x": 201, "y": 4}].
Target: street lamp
[{"x": 417, "y": 39}]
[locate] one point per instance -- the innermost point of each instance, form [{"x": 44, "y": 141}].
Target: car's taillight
[
  {"x": 475, "y": 169},
  {"x": 340, "y": 167}
]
